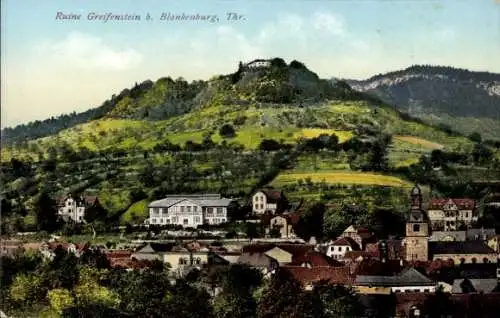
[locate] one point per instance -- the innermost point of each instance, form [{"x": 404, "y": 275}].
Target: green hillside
[{"x": 280, "y": 126}]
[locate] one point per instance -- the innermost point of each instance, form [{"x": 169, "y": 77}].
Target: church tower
[{"x": 417, "y": 229}]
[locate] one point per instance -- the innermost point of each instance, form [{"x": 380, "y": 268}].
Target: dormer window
[{"x": 307, "y": 264}]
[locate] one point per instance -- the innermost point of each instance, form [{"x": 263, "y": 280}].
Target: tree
[
  {"x": 27, "y": 289},
  {"x": 269, "y": 145},
  {"x": 188, "y": 301},
  {"x": 93, "y": 311},
  {"x": 235, "y": 300},
  {"x": 438, "y": 305},
  {"x": 252, "y": 230},
  {"x": 62, "y": 271},
  {"x": 46, "y": 213},
  {"x": 142, "y": 294},
  {"x": 296, "y": 64},
  {"x": 481, "y": 154},
  {"x": 96, "y": 212},
  {"x": 475, "y": 137},
  {"x": 95, "y": 259},
  {"x": 437, "y": 158},
  {"x": 338, "y": 301},
  {"x": 278, "y": 62},
  {"x": 227, "y": 131},
  {"x": 60, "y": 299},
  {"x": 281, "y": 297}
]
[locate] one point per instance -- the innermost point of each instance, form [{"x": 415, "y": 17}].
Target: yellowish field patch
[
  {"x": 343, "y": 178},
  {"x": 343, "y": 135},
  {"x": 419, "y": 141}
]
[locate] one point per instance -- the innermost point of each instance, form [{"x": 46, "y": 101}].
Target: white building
[
  {"x": 338, "y": 248},
  {"x": 73, "y": 208},
  {"x": 189, "y": 210},
  {"x": 259, "y": 63},
  {"x": 269, "y": 200},
  {"x": 451, "y": 214}
]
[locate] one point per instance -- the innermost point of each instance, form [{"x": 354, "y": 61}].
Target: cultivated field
[{"x": 336, "y": 177}]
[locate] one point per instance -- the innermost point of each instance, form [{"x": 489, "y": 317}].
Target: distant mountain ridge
[{"x": 441, "y": 95}]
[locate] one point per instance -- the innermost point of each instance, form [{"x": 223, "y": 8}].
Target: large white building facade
[{"x": 189, "y": 210}]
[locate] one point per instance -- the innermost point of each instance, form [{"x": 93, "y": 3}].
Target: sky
[{"x": 51, "y": 65}]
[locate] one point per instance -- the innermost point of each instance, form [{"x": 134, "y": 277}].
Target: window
[
  {"x": 397, "y": 290},
  {"x": 195, "y": 209},
  {"x": 256, "y": 207},
  {"x": 196, "y": 219},
  {"x": 474, "y": 260},
  {"x": 174, "y": 219},
  {"x": 188, "y": 209},
  {"x": 416, "y": 227},
  {"x": 219, "y": 211},
  {"x": 182, "y": 261},
  {"x": 466, "y": 214},
  {"x": 261, "y": 206},
  {"x": 222, "y": 220},
  {"x": 210, "y": 210},
  {"x": 198, "y": 261},
  {"x": 153, "y": 220},
  {"x": 485, "y": 260},
  {"x": 183, "y": 208},
  {"x": 426, "y": 290},
  {"x": 185, "y": 221},
  {"x": 417, "y": 290},
  {"x": 168, "y": 221},
  {"x": 340, "y": 248}
]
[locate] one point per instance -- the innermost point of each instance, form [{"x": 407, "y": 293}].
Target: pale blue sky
[{"x": 51, "y": 66}]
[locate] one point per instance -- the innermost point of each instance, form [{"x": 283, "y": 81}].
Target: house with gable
[
  {"x": 359, "y": 234},
  {"x": 283, "y": 223},
  {"x": 73, "y": 207},
  {"x": 338, "y": 248},
  {"x": 189, "y": 210},
  {"x": 408, "y": 280},
  {"x": 269, "y": 200},
  {"x": 152, "y": 251},
  {"x": 452, "y": 214},
  {"x": 283, "y": 253}
]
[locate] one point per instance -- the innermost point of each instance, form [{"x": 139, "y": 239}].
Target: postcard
[{"x": 284, "y": 158}]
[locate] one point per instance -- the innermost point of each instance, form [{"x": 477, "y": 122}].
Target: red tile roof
[
  {"x": 66, "y": 245},
  {"x": 373, "y": 267},
  {"x": 294, "y": 249},
  {"x": 346, "y": 241},
  {"x": 273, "y": 195},
  {"x": 118, "y": 254},
  {"x": 460, "y": 203},
  {"x": 293, "y": 218},
  {"x": 315, "y": 259},
  {"x": 352, "y": 255},
  {"x": 129, "y": 263},
  {"x": 334, "y": 275}
]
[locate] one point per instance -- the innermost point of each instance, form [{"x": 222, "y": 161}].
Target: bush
[
  {"x": 227, "y": 131},
  {"x": 269, "y": 145}
]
